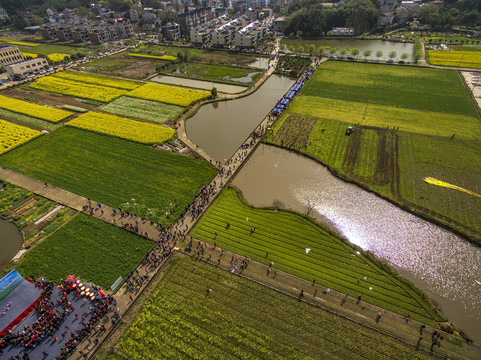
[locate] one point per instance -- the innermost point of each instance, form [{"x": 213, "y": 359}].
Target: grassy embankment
[
  {"x": 112, "y": 171},
  {"x": 282, "y": 238},
  {"x": 424, "y": 106},
  {"x": 242, "y": 319}
]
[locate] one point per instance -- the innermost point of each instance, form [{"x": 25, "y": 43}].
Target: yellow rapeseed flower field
[
  {"x": 78, "y": 89},
  {"x": 12, "y": 135},
  {"x": 169, "y": 94},
  {"x": 29, "y": 55},
  {"x": 38, "y": 111},
  {"x": 55, "y": 57},
  {"x": 468, "y": 59},
  {"x": 98, "y": 80},
  {"x": 163, "y": 57},
  {"x": 21, "y": 43},
  {"x": 142, "y": 132}
]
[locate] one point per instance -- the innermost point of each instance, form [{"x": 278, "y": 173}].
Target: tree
[
  {"x": 361, "y": 15},
  {"x": 392, "y": 54},
  {"x": 82, "y": 11},
  {"x": 332, "y": 51},
  {"x": 213, "y": 92},
  {"x": 379, "y": 54},
  {"x": 311, "y": 49},
  {"x": 300, "y": 49},
  {"x": 404, "y": 56},
  {"x": 355, "y": 52},
  {"x": 180, "y": 56},
  {"x": 366, "y": 54},
  {"x": 343, "y": 52}
]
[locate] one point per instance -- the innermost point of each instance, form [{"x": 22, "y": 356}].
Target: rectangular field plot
[
  {"x": 123, "y": 128},
  {"x": 77, "y": 88},
  {"x": 143, "y": 110},
  {"x": 467, "y": 59},
  {"x": 169, "y": 94},
  {"x": 38, "y": 111},
  {"x": 90, "y": 249},
  {"x": 12, "y": 135},
  {"x": 241, "y": 319},
  {"x": 456, "y": 162},
  {"x": 397, "y": 86},
  {"x": 113, "y": 171},
  {"x": 416, "y": 121},
  {"x": 98, "y": 80},
  {"x": 284, "y": 236}
]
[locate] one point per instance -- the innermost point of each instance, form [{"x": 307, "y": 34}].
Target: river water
[
  {"x": 444, "y": 265},
  {"x": 220, "y": 128},
  {"x": 11, "y": 241},
  {"x": 374, "y": 45},
  {"x": 198, "y": 84}
]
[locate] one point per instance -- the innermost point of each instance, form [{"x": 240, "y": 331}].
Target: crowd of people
[{"x": 53, "y": 309}]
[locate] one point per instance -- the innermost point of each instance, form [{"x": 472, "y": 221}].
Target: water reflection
[
  {"x": 198, "y": 84},
  {"x": 438, "y": 261}
]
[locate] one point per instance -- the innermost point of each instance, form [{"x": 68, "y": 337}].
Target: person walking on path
[{"x": 419, "y": 342}]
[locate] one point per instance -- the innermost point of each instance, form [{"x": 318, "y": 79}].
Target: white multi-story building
[
  {"x": 249, "y": 35},
  {"x": 223, "y": 35},
  {"x": 26, "y": 67}
]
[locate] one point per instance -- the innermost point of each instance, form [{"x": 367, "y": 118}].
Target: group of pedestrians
[{"x": 54, "y": 308}]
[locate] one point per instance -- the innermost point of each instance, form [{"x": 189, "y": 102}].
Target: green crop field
[
  {"x": 216, "y": 73},
  {"x": 396, "y": 86},
  {"x": 417, "y": 121},
  {"x": 28, "y": 120},
  {"x": 285, "y": 236},
  {"x": 143, "y": 110},
  {"x": 88, "y": 248},
  {"x": 113, "y": 171},
  {"x": 52, "y": 49},
  {"x": 241, "y": 319},
  {"x": 402, "y": 134}
]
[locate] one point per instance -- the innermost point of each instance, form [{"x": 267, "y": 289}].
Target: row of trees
[{"x": 330, "y": 51}]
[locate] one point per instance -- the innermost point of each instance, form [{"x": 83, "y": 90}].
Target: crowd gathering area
[{"x": 41, "y": 320}]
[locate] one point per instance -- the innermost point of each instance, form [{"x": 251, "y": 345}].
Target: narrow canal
[
  {"x": 437, "y": 261},
  {"x": 220, "y": 128},
  {"x": 11, "y": 241}
]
